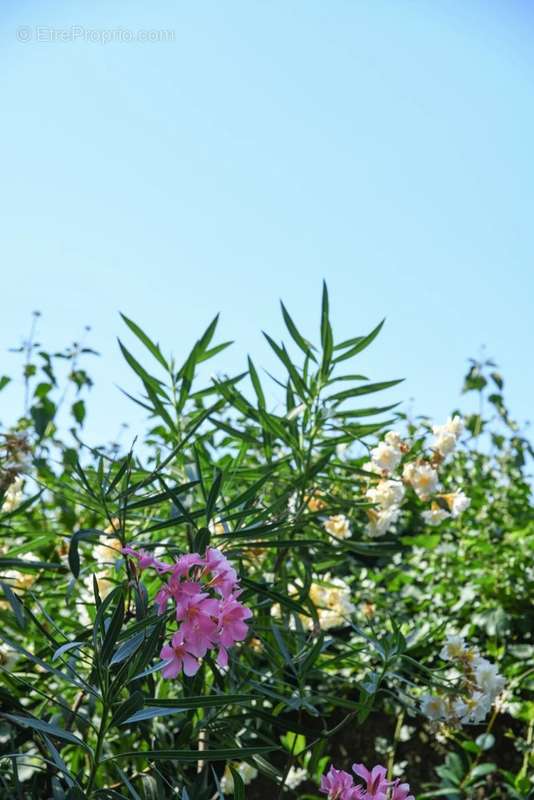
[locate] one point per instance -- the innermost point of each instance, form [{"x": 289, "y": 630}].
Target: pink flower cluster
[
  {"x": 205, "y": 591},
  {"x": 339, "y": 785}
]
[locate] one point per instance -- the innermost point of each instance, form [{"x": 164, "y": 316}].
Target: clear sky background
[{"x": 384, "y": 146}]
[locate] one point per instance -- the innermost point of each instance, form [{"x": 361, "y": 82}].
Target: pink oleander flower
[
  {"x": 162, "y": 599},
  {"x": 206, "y": 620},
  {"x": 146, "y": 559},
  {"x": 339, "y": 785},
  {"x": 179, "y": 656},
  {"x": 198, "y": 626},
  {"x": 223, "y": 576},
  {"x": 183, "y": 593},
  {"x": 182, "y": 565},
  {"x": 231, "y": 618},
  {"x": 401, "y": 791},
  {"x": 376, "y": 781}
]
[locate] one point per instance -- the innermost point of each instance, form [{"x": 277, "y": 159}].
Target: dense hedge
[{"x": 361, "y": 589}]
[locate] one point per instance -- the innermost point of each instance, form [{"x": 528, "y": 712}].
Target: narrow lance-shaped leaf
[
  {"x": 46, "y": 728},
  {"x": 149, "y": 344},
  {"x": 300, "y": 341},
  {"x": 360, "y": 344}
]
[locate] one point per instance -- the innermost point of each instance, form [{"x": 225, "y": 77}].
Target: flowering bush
[{"x": 215, "y": 612}]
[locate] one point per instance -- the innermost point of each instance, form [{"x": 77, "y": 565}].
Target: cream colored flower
[
  {"x": 386, "y": 493},
  {"x": 453, "y": 648},
  {"x": 386, "y": 457},
  {"x": 435, "y": 515},
  {"x": 338, "y": 526},
  {"x": 458, "y": 502},
  {"x": 381, "y": 521},
  {"x": 8, "y": 658},
  {"x": 478, "y": 706},
  {"x": 13, "y": 496},
  {"x": 422, "y": 477},
  {"x": 455, "y": 425},
  {"x": 433, "y": 707},
  {"x": 488, "y": 679},
  {"x": 295, "y": 777},
  {"x": 332, "y": 600},
  {"x": 445, "y": 443},
  {"x": 245, "y": 771},
  {"x": 315, "y": 501},
  {"x": 216, "y": 527},
  {"x": 393, "y": 439},
  {"x": 370, "y": 467}
]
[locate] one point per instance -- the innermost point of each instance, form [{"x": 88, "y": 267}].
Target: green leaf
[
  {"x": 213, "y": 494},
  {"x": 327, "y": 338},
  {"x": 361, "y": 344},
  {"x": 485, "y": 741},
  {"x": 149, "y": 712},
  {"x": 147, "y": 379},
  {"x": 239, "y": 786},
  {"x": 192, "y": 756},
  {"x": 369, "y": 388},
  {"x": 46, "y": 728},
  {"x": 113, "y": 630},
  {"x": 148, "y": 343},
  {"x": 84, "y": 534},
  {"x": 480, "y": 770},
  {"x": 256, "y": 383},
  {"x": 65, "y": 648},
  {"x": 130, "y": 706},
  {"x": 300, "y": 341},
  {"x": 202, "y": 701},
  {"x": 16, "y": 605},
  {"x": 78, "y": 411}
]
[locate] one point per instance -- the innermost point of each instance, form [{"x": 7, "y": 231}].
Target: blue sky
[{"x": 384, "y": 146}]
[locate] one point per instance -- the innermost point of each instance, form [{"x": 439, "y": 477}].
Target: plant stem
[{"x": 98, "y": 749}]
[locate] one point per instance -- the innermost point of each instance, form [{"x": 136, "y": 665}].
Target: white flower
[
  {"x": 381, "y": 521},
  {"x": 227, "y": 782},
  {"x": 247, "y": 772},
  {"x": 478, "y": 706},
  {"x": 393, "y": 439},
  {"x": 433, "y": 707},
  {"x": 295, "y": 776},
  {"x": 458, "y": 503},
  {"x": 370, "y": 467},
  {"x": 8, "y": 658},
  {"x": 332, "y": 600},
  {"x": 455, "y": 425},
  {"x": 217, "y": 527},
  {"x": 13, "y": 496},
  {"x": 423, "y": 478},
  {"x": 385, "y": 457},
  {"x": 338, "y": 526},
  {"x": 453, "y": 648},
  {"x": 460, "y": 709},
  {"x": 386, "y": 493},
  {"x": 488, "y": 679},
  {"x": 435, "y": 516},
  {"x": 444, "y": 442}
]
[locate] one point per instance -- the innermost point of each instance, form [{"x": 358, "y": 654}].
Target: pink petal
[{"x": 191, "y": 665}]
